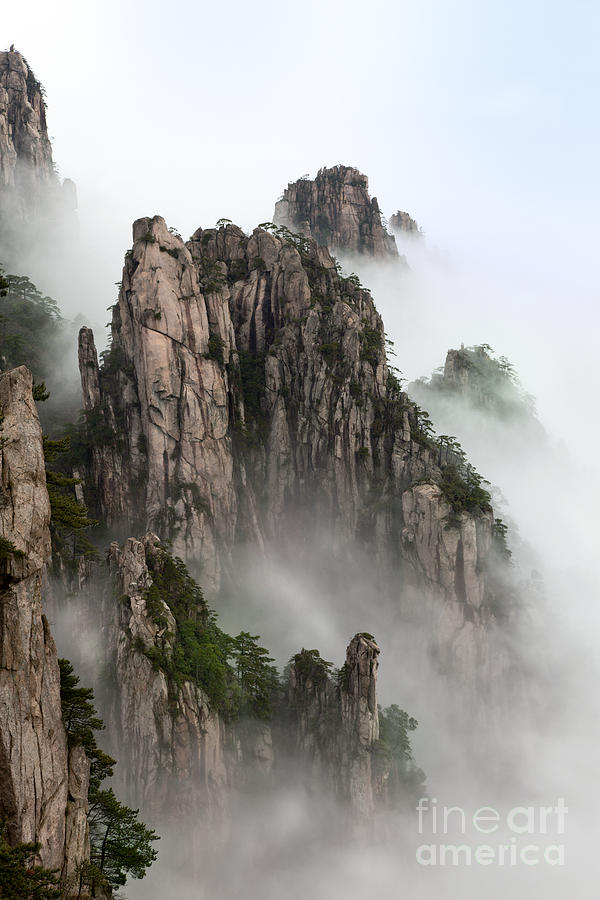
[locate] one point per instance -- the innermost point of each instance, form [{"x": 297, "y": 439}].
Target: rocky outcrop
[
  {"x": 43, "y": 789},
  {"x": 336, "y": 210},
  {"x": 335, "y": 726},
  {"x": 25, "y": 151},
  {"x": 402, "y": 224},
  {"x": 179, "y": 757},
  {"x": 246, "y": 398},
  {"x": 33, "y": 201},
  {"x": 474, "y": 377}
]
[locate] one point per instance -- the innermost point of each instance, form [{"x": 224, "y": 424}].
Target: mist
[
  {"x": 526, "y": 750},
  {"x": 458, "y": 119}
]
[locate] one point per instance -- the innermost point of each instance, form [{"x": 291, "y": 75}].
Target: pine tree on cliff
[
  {"x": 257, "y": 678},
  {"x": 120, "y": 845},
  {"x": 20, "y": 879}
]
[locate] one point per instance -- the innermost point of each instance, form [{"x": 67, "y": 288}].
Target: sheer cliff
[
  {"x": 43, "y": 789},
  {"x": 25, "y": 150},
  {"x": 336, "y": 210},
  {"x": 184, "y": 754}
]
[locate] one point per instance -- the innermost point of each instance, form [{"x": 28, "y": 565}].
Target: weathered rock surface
[
  {"x": 180, "y": 759},
  {"x": 336, "y": 210},
  {"x": 43, "y": 792},
  {"x": 247, "y": 398},
  {"x": 25, "y": 151}
]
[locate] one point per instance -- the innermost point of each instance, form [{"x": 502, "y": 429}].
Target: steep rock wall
[
  {"x": 43, "y": 788},
  {"x": 180, "y": 758},
  {"x": 25, "y": 151}
]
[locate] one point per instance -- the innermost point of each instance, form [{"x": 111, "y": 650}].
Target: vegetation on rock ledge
[
  {"x": 20, "y": 878},
  {"x": 234, "y": 672}
]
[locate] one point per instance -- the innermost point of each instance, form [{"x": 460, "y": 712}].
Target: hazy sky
[{"x": 479, "y": 118}]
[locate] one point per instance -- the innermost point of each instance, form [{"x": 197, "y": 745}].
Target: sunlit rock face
[
  {"x": 336, "y": 210},
  {"x": 43, "y": 789},
  {"x": 247, "y": 399}
]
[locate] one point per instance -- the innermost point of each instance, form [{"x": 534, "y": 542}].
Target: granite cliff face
[
  {"x": 247, "y": 397},
  {"x": 336, "y": 210},
  {"x": 43, "y": 789},
  {"x": 25, "y": 150}
]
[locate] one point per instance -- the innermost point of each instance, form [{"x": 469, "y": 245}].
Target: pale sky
[{"x": 479, "y": 118}]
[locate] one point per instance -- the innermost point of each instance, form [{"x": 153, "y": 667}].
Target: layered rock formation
[
  {"x": 43, "y": 788},
  {"x": 336, "y": 210},
  {"x": 247, "y": 397}
]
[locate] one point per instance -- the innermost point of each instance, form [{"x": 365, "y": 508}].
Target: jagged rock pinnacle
[{"x": 336, "y": 210}]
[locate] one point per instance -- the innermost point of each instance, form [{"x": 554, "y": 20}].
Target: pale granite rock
[{"x": 43, "y": 788}]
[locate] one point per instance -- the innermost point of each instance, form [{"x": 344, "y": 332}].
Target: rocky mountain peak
[
  {"x": 486, "y": 382},
  {"x": 336, "y": 209},
  {"x": 24, "y": 140},
  {"x": 33, "y": 200},
  {"x": 403, "y": 224}
]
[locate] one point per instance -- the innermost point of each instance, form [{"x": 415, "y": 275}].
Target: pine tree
[
  {"x": 69, "y": 519},
  {"x": 257, "y": 678},
  {"x": 78, "y": 711},
  {"x": 20, "y": 879},
  {"x": 120, "y": 844}
]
